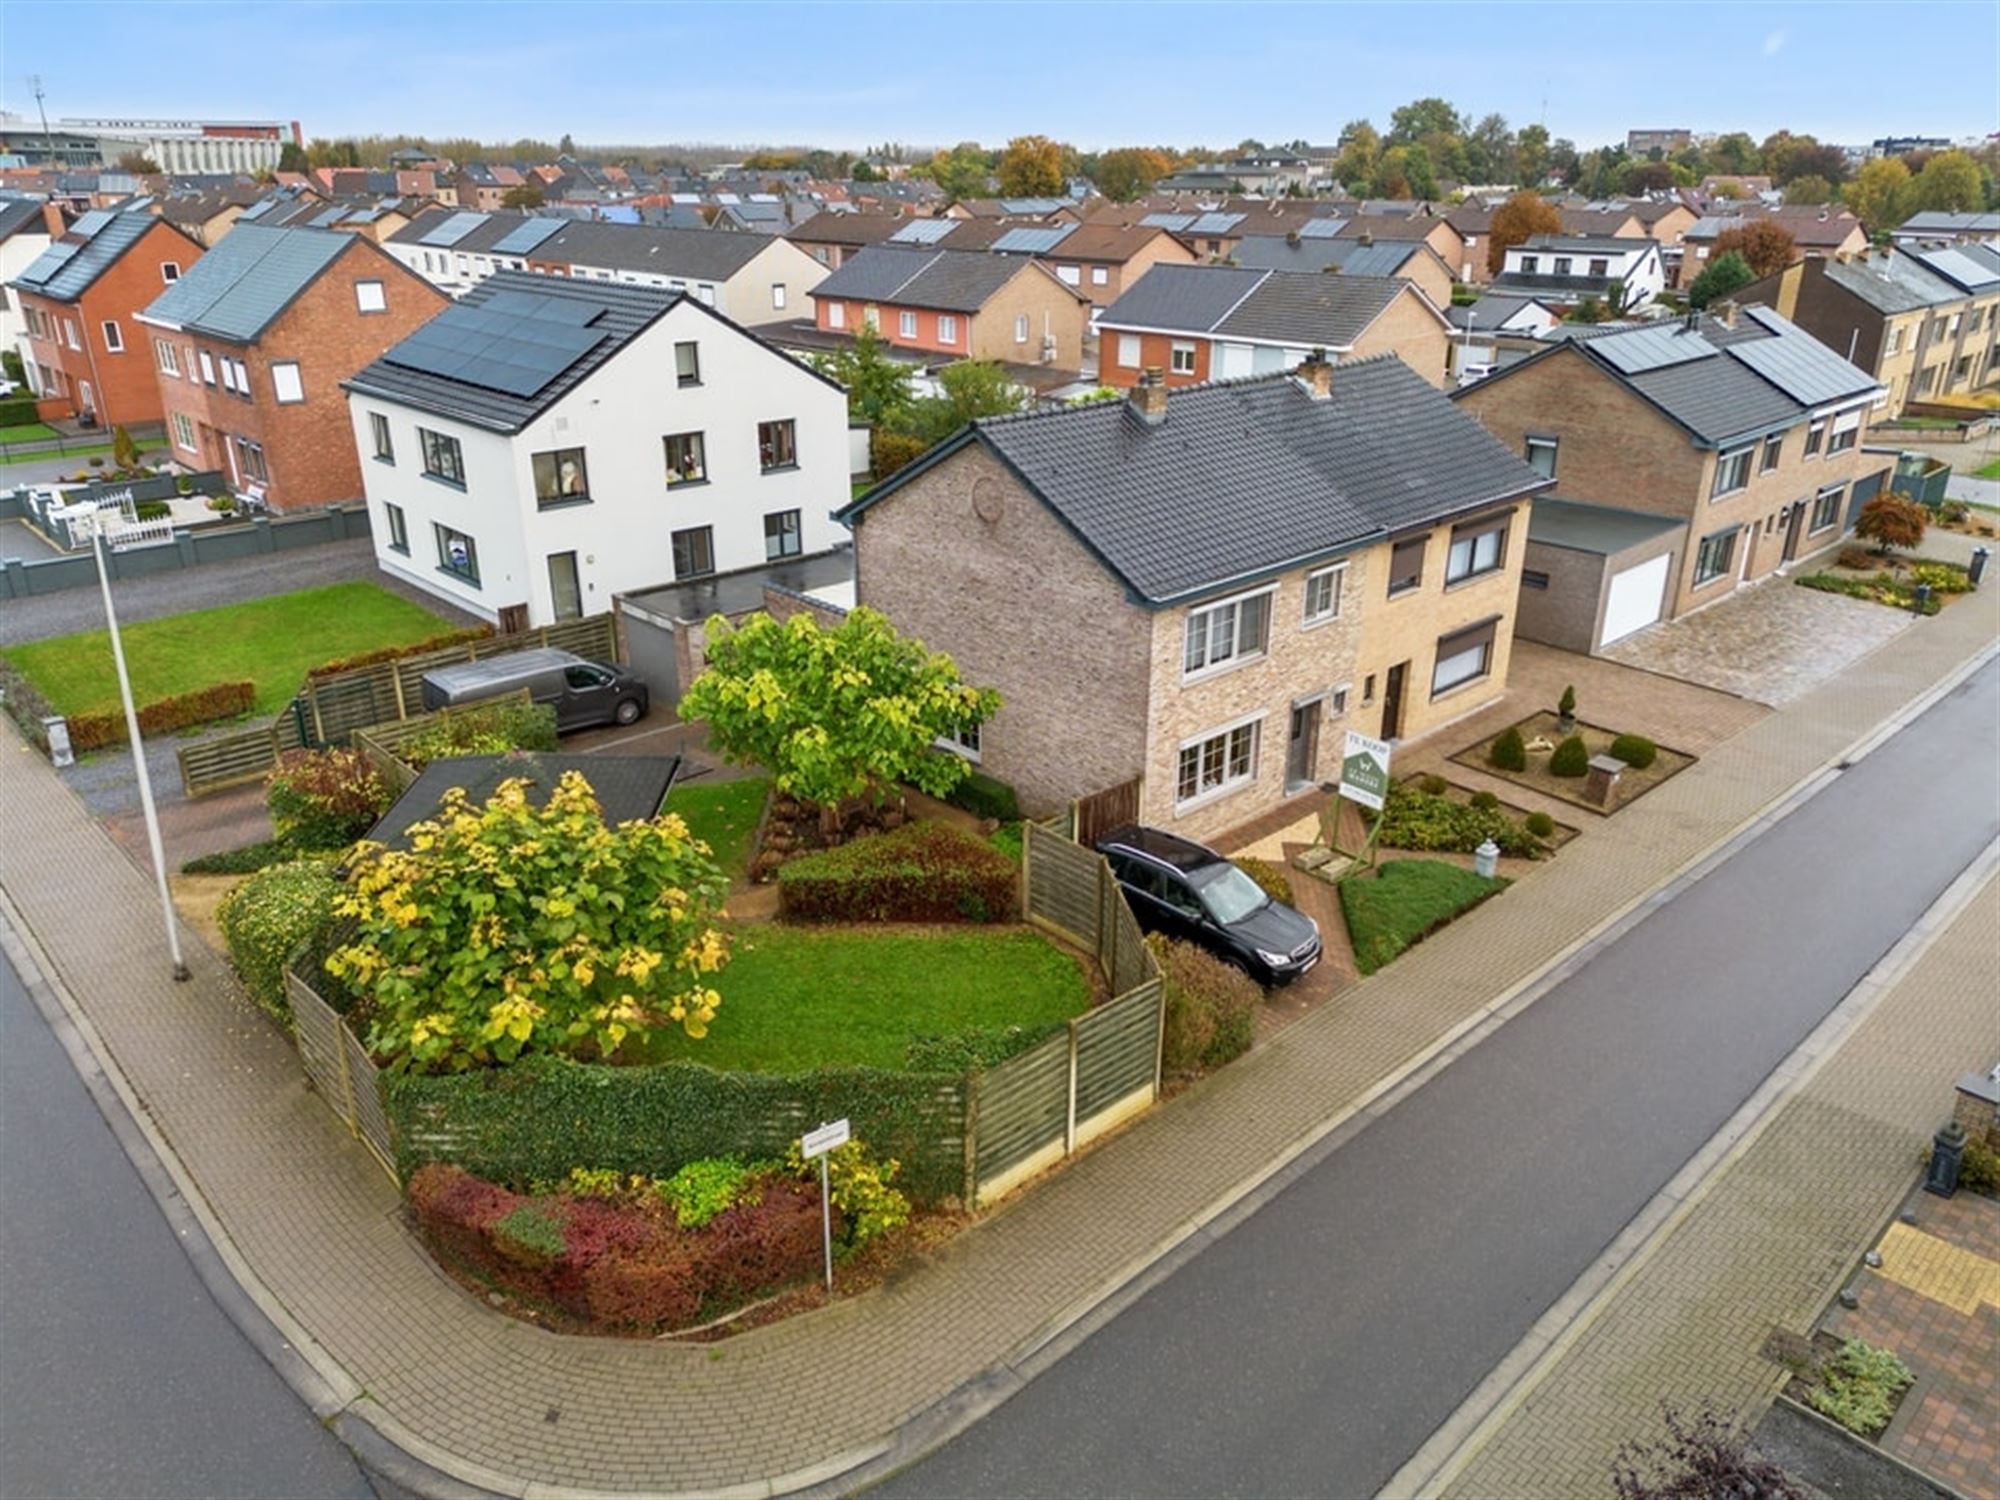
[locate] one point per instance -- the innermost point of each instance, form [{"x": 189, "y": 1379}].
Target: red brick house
[
  {"x": 250, "y": 347},
  {"x": 963, "y": 303},
  {"x": 84, "y": 353}
]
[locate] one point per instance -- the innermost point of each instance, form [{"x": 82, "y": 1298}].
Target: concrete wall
[{"x": 188, "y": 549}]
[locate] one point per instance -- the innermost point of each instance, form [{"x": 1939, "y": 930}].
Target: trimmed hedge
[
  {"x": 1211, "y": 1006},
  {"x": 1540, "y": 824},
  {"x": 614, "y": 1264},
  {"x": 922, "y": 872},
  {"x": 1509, "y": 752},
  {"x": 224, "y": 700},
  {"x": 890, "y": 451},
  {"x": 246, "y": 859},
  {"x": 492, "y": 729},
  {"x": 270, "y": 917},
  {"x": 19, "y": 412},
  {"x": 984, "y": 797},
  {"x": 1635, "y": 750},
  {"x": 397, "y": 653},
  {"x": 1415, "y": 819},
  {"x": 1571, "y": 757},
  {"x": 536, "y": 1120}
]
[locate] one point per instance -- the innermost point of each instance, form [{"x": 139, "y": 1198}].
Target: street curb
[{"x": 410, "y": 1460}]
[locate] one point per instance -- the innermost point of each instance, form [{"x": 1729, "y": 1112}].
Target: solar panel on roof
[
  {"x": 454, "y": 229},
  {"x": 1036, "y": 241},
  {"x": 91, "y": 222},
  {"x": 1320, "y": 229},
  {"x": 258, "y": 210},
  {"x": 1174, "y": 222},
  {"x": 1652, "y": 349},
  {"x": 1960, "y": 267},
  {"x": 516, "y": 349},
  {"x": 1803, "y": 368},
  {"x": 328, "y": 219},
  {"x": 49, "y": 262},
  {"x": 923, "y": 231},
  {"x": 541, "y": 305},
  {"x": 1215, "y": 223},
  {"x": 526, "y": 235}
]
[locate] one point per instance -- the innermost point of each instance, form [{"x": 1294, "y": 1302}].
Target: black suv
[{"x": 1189, "y": 891}]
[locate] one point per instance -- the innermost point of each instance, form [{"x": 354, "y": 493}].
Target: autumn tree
[
  {"x": 1648, "y": 177},
  {"x": 836, "y": 714},
  {"x": 1890, "y": 521},
  {"x": 1765, "y": 245},
  {"x": 1360, "y": 155},
  {"x": 1724, "y": 274},
  {"x": 1031, "y": 167},
  {"x": 1951, "y": 182},
  {"x": 1810, "y": 192},
  {"x": 139, "y": 164},
  {"x": 527, "y": 196},
  {"x": 1734, "y": 154},
  {"x": 1879, "y": 194},
  {"x": 1130, "y": 172},
  {"x": 1517, "y": 221}
]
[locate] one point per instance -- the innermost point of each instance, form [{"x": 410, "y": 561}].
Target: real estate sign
[{"x": 1364, "y": 770}]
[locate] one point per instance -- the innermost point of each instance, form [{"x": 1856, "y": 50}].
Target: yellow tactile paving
[{"x": 1941, "y": 1271}]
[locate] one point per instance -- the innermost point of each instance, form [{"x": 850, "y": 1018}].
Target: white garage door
[{"x": 1635, "y": 599}]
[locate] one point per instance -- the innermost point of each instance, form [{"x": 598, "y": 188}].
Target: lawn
[
  {"x": 1406, "y": 901},
  {"x": 723, "y": 815},
  {"x": 796, "y": 998},
  {"x": 1988, "y": 470},
  {"x": 26, "y": 432},
  {"x": 271, "y": 642},
  {"x": 50, "y": 456}
]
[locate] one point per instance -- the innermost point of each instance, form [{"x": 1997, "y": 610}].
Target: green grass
[
  {"x": 1406, "y": 901},
  {"x": 795, "y": 998},
  {"x": 723, "y": 815},
  {"x": 1008, "y": 839},
  {"x": 81, "y": 455},
  {"x": 271, "y": 642},
  {"x": 26, "y": 432},
  {"x": 1988, "y": 470}
]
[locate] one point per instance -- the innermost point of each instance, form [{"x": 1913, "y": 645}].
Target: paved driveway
[{"x": 1769, "y": 643}]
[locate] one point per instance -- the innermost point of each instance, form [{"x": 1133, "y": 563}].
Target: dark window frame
[
  {"x": 698, "y": 452},
  {"x": 1726, "y": 541},
  {"x": 470, "y": 572},
  {"x": 432, "y": 446},
  {"x": 706, "y": 537},
  {"x": 1401, "y": 580},
  {"x": 796, "y": 534},
  {"x": 561, "y": 496},
  {"x": 398, "y": 522},
  {"x": 778, "y": 445},
  {"x": 681, "y": 377},
  {"x": 384, "y": 437}
]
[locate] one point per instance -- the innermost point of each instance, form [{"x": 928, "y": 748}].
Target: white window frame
[
  {"x": 1211, "y": 664},
  {"x": 947, "y": 329},
  {"x": 1176, "y": 365},
  {"x": 287, "y": 383},
  {"x": 963, "y": 743},
  {"x": 1484, "y": 650},
  {"x": 363, "y": 302},
  {"x": 1203, "y": 795},
  {"x": 183, "y": 431},
  {"x": 1100, "y": 276},
  {"x": 114, "y": 337},
  {"x": 836, "y": 315},
  {"x": 1326, "y": 616},
  {"x": 906, "y": 324},
  {"x": 1816, "y": 438},
  {"x": 1130, "y": 351},
  {"x": 1834, "y": 492},
  {"x": 1554, "y": 447},
  {"x": 69, "y": 334},
  {"x": 166, "y": 357},
  {"x": 1020, "y": 328},
  {"x": 1070, "y": 275},
  {"x": 778, "y": 296},
  {"x": 1730, "y": 457},
  {"x": 1845, "y": 434}
]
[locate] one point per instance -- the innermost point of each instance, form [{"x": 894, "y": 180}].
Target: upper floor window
[
  {"x": 287, "y": 384},
  {"x": 1069, "y": 275},
  {"x": 114, "y": 337},
  {"x": 1562, "y": 265},
  {"x": 1234, "y": 630},
  {"x": 443, "y": 457},
  {"x": 1100, "y": 276},
  {"x": 560, "y": 476},
  {"x": 1732, "y": 472},
  {"x": 1815, "y": 436},
  {"x": 1847, "y": 428},
  {"x": 687, "y": 459},
  {"x": 1477, "y": 547},
  {"x": 69, "y": 333},
  {"x": 836, "y": 315},
  {"x": 371, "y": 297},
  {"x": 378, "y": 429},
  {"x": 906, "y": 324},
  {"x": 1895, "y": 344},
  {"x": 1406, "y": 566},
  {"x": 167, "y": 357},
  {"x": 1128, "y": 351},
  {"x": 1542, "y": 456},
  {"x": 687, "y": 363},
  {"x": 170, "y": 271},
  {"x": 1774, "y": 450},
  {"x": 947, "y": 329},
  {"x": 1600, "y": 267},
  {"x": 1322, "y": 594},
  {"x": 1530, "y": 264},
  {"x": 778, "y": 295},
  {"x": 777, "y": 445},
  {"x": 207, "y": 369},
  {"x": 1180, "y": 358},
  {"x": 1020, "y": 328}
]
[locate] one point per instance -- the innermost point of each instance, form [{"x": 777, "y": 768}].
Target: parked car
[
  {"x": 1187, "y": 890},
  {"x": 583, "y": 693}
]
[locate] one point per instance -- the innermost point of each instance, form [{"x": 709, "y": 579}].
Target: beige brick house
[
  {"x": 1206, "y": 587},
  {"x": 1741, "y": 433}
]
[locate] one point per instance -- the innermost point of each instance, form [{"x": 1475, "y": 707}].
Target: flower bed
[
  {"x": 1422, "y": 814},
  {"x": 1536, "y": 776},
  {"x": 1862, "y": 575},
  {"x": 921, "y": 872}
]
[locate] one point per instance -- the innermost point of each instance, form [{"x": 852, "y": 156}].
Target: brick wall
[
  {"x": 1414, "y": 333},
  {"x": 1155, "y": 351},
  {"x": 1051, "y": 308}
]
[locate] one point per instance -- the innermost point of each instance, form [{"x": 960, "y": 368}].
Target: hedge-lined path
[{"x": 315, "y": 1225}]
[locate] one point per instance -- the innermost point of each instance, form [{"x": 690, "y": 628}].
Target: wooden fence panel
[
  {"x": 228, "y": 760},
  {"x": 371, "y": 1116},
  {"x": 1102, "y": 812},
  {"x": 1062, "y": 886},
  {"x": 317, "y": 1030},
  {"x": 1021, "y": 1114},
  {"x": 1117, "y": 1053}
]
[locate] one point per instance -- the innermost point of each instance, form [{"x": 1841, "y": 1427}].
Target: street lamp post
[{"x": 94, "y": 520}]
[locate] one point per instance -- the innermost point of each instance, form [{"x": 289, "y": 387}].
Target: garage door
[{"x": 1635, "y": 599}]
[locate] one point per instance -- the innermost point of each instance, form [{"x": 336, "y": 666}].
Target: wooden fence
[
  {"x": 1102, "y": 812},
  {"x": 341, "y": 1070},
  {"x": 383, "y": 743},
  {"x": 330, "y": 709},
  {"x": 1033, "y": 1110}
]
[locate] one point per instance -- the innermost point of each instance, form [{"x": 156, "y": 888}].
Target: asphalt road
[
  {"x": 119, "y": 1376},
  {"x": 1313, "y": 1349}
]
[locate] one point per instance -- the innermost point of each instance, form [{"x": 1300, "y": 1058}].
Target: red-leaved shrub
[
  {"x": 397, "y": 653},
  {"x": 223, "y": 700},
  {"x": 922, "y": 872}
]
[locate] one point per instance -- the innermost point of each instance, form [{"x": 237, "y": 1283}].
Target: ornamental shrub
[
  {"x": 1566, "y": 705},
  {"x": 1943, "y": 578},
  {"x": 1635, "y": 750},
  {"x": 1211, "y": 1006},
  {"x": 510, "y": 929},
  {"x": 222, "y": 700},
  {"x": 1414, "y": 819},
  {"x": 1273, "y": 881},
  {"x": 860, "y": 1187},
  {"x": 1509, "y": 752},
  {"x": 1432, "y": 785},
  {"x": 702, "y": 1189},
  {"x": 1540, "y": 824},
  {"x": 1979, "y": 1169},
  {"x": 325, "y": 799},
  {"x": 490, "y": 729},
  {"x": 890, "y": 451},
  {"x": 921, "y": 872},
  {"x": 1571, "y": 757},
  {"x": 1858, "y": 1387},
  {"x": 529, "y": 1235},
  {"x": 270, "y": 917},
  {"x": 1485, "y": 801},
  {"x": 1890, "y": 521},
  {"x": 984, "y": 797}
]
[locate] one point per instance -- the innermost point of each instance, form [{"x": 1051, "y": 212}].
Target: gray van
[{"x": 583, "y": 693}]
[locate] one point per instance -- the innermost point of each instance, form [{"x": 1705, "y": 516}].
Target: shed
[{"x": 1594, "y": 574}]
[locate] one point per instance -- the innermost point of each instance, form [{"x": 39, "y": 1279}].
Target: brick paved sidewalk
[
  {"x": 315, "y": 1223},
  {"x": 1771, "y": 1243}
]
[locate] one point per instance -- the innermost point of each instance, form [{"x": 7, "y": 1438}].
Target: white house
[
  {"x": 752, "y": 278},
  {"x": 546, "y": 443},
  {"x": 24, "y": 235},
  {"x": 1568, "y": 268}
]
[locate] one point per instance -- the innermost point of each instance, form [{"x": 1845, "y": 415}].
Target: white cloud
[{"x": 1774, "y": 44}]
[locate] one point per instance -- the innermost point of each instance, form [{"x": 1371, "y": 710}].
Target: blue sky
[{"x": 1096, "y": 74}]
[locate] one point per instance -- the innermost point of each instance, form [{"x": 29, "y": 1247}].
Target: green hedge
[
  {"x": 270, "y": 917},
  {"x": 984, "y": 797},
  {"x": 536, "y": 1120},
  {"x": 921, "y": 872},
  {"x": 19, "y": 412}
]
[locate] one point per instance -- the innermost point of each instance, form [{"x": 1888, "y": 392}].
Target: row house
[
  {"x": 1202, "y": 323},
  {"x": 1819, "y": 232},
  {"x": 1346, "y": 555},
  {"x": 84, "y": 354},
  {"x": 752, "y": 279},
  {"x": 26, "y": 227},
  {"x": 250, "y": 347},
  {"x": 1924, "y": 322},
  {"x": 1940, "y": 226},
  {"x": 1567, "y": 270},
  {"x": 1102, "y": 261},
  {"x": 546, "y": 443},
  {"x": 957, "y": 303},
  {"x": 1691, "y": 458},
  {"x": 1662, "y": 220},
  {"x": 1412, "y": 260}
]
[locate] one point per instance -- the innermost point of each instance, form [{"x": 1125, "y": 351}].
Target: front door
[
  {"x": 563, "y": 589},
  {"x": 1795, "y": 525},
  {"x": 1302, "y": 757},
  {"x": 1392, "y": 700}
]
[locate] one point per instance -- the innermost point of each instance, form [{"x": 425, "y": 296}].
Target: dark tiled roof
[
  {"x": 1488, "y": 313},
  {"x": 1312, "y": 311},
  {"x": 1385, "y": 258},
  {"x": 954, "y": 280},
  {"x": 698, "y": 254},
  {"x": 1182, "y": 298},
  {"x": 235, "y": 290},
  {"x": 1890, "y": 281},
  {"x": 1244, "y": 478},
  {"x": 21, "y": 215},
  {"x": 630, "y": 788},
  {"x": 74, "y": 264}
]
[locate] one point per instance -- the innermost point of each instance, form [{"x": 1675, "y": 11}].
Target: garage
[{"x": 1634, "y": 599}]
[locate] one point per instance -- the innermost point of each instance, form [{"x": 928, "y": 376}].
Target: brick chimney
[
  {"x": 1149, "y": 396},
  {"x": 1316, "y": 375},
  {"x": 1725, "y": 310},
  {"x": 53, "y": 220},
  {"x": 1366, "y": 237},
  {"x": 1291, "y": 237}
]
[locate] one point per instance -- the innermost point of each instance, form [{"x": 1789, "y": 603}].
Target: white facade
[
  {"x": 190, "y": 146},
  {"x": 1634, "y": 262},
  {"x": 17, "y": 252},
  {"x": 623, "y": 538},
  {"x": 773, "y": 286}
]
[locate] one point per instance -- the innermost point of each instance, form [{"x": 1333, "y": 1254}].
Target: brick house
[
  {"x": 250, "y": 347},
  {"x": 1201, "y": 323},
  {"x": 963, "y": 303},
  {"x": 1413, "y": 260},
  {"x": 1099, "y": 260},
  {"x": 84, "y": 353},
  {"x": 1345, "y": 553},
  {"x": 1695, "y": 457},
  {"x": 830, "y": 238},
  {"x": 1814, "y": 231}
]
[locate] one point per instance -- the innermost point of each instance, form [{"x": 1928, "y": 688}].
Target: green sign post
[{"x": 1364, "y": 781}]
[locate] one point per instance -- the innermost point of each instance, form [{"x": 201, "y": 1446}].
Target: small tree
[
  {"x": 1566, "y": 705},
  {"x": 124, "y": 452},
  {"x": 1515, "y": 222},
  {"x": 1890, "y": 521},
  {"x": 973, "y": 388},
  {"x": 1697, "y": 1460},
  {"x": 1765, "y": 245},
  {"x": 511, "y": 929},
  {"x": 1725, "y": 274},
  {"x": 834, "y": 714},
  {"x": 878, "y": 387},
  {"x": 1509, "y": 752},
  {"x": 528, "y": 195}
]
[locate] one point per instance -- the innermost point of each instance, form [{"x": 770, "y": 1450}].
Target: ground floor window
[
  {"x": 399, "y": 528},
  {"x": 1217, "y": 762},
  {"x": 183, "y": 431},
  {"x": 694, "y": 552},
  {"x": 458, "y": 554},
  {"x": 781, "y": 535},
  {"x": 1463, "y": 656},
  {"x": 1826, "y": 507},
  {"x": 963, "y": 742},
  {"x": 250, "y": 459},
  {"x": 1713, "y": 556}
]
